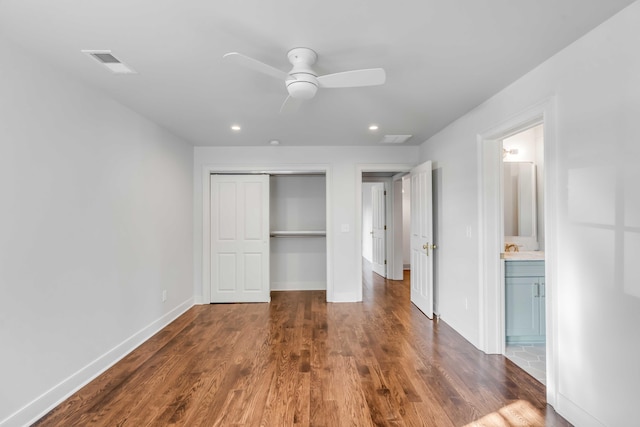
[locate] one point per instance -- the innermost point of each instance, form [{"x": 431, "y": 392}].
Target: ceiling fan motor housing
[{"x": 302, "y": 83}]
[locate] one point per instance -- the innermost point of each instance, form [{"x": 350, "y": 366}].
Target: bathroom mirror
[{"x": 520, "y": 201}]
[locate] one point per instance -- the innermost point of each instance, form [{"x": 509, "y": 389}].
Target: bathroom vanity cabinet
[{"x": 524, "y": 301}]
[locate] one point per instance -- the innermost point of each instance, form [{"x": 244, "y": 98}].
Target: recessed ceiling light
[
  {"x": 274, "y": 142},
  {"x": 373, "y": 127},
  {"x": 236, "y": 127},
  {"x": 106, "y": 58}
]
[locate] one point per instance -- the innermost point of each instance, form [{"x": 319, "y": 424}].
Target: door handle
[{"x": 428, "y": 246}]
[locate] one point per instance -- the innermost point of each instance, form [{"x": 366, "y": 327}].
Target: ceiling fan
[{"x": 302, "y": 82}]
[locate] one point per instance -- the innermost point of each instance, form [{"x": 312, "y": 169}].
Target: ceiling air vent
[
  {"x": 106, "y": 58},
  {"x": 395, "y": 139}
]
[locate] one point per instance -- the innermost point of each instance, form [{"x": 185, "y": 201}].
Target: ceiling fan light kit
[
  {"x": 302, "y": 82},
  {"x": 302, "y": 87}
]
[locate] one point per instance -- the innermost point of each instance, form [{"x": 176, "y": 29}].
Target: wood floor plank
[{"x": 299, "y": 361}]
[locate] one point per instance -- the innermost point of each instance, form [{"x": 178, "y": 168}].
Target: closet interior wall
[{"x": 298, "y": 232}]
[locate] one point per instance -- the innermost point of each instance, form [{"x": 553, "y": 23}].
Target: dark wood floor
[{"x": 301, "y": 361}]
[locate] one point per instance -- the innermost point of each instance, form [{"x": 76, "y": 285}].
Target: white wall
[
  {"x": 344, "y": 254},
  {"x": 596, "y": 84},
  {"x": 96, "y": 220}
]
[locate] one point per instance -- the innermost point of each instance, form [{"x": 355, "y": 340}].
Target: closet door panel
[
  {"x": 254, "y": 211},
  {"x": 240, "y": 238},
  {"x": 253, "y": 277},
  {"x": 226, "y": 210},
  {"x": 227, "y": 272}
]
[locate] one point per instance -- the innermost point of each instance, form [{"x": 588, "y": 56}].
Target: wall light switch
[
  {"x": 345, "y": 228},
  {"x": 164, "y": 296}
]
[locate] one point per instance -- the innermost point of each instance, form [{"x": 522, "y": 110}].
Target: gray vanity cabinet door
[{"x": 522, "y": 306}]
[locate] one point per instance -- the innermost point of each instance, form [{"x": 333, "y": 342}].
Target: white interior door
[
  {"x": 422, "y": 244},
  {"x": 379, "y": 229},
  {"x": 240, "y": 238}
]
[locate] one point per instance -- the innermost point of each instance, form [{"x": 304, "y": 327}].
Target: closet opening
[
  {"x": 265, "y": 231},
  {"x": 298, "y": 229}
]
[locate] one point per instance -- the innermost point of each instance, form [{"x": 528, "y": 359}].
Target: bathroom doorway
[
  {"x": 492, "y": 314},
  {"x": 523, "y": 254}
]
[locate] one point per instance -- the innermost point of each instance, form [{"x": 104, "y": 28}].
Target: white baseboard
[
  {"x": 298, "y": 286},
  {"x": 575, "y": 414},
  {"x": 345, "y": 297},
  {"x": 44, "y": 403}
]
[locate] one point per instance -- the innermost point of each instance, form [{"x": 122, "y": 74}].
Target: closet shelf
[{"x": 301, "y": 233}]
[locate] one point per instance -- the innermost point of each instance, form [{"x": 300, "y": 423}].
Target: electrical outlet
[{"x": 164, "y": 295}]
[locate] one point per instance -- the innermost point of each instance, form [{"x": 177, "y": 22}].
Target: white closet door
[
  {"x": 240, "y": 238},
  {"x": 379, "y": 252},
  {"x": 422, "y": 238}
]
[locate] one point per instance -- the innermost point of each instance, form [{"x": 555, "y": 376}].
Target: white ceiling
[{"x": 442, "y": 58}]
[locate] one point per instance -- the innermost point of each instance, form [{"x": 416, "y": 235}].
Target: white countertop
[{"x": 523, "y": 256}]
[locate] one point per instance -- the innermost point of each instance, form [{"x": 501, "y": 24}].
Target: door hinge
[
  {"x": 385, "y": 262},
  {"x": 385, "y": 192},
  {"x": 385, "y": 227}
]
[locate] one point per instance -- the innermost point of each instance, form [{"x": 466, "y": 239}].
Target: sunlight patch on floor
[{"x": 516, "y": 414}]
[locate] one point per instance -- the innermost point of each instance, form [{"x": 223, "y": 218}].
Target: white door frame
[
  {"x": 491, "y": 228},
  {"x": 207, "y": 170},
  {"x": 360, "y": 168}
]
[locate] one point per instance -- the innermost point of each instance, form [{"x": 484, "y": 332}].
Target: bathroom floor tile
[{"x": 530, "y": 357}]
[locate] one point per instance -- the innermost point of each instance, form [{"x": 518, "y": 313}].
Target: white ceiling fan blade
[
  {"x": 290, "y": 105},
  {"x": 254, "y": 64},
  {"x": 355, "y": 78}
]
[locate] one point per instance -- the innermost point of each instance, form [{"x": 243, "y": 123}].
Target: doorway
[
  {"x": 422, "y": 244},
  {"x": 492, "y": 333},
  {"x": 383, "y": 223},
  {"x": 383, "y": 227},
  {"x": 391, "y": 176},
  {"x": 523, "y": 241},
  {"x": 374, "y": 225}
]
